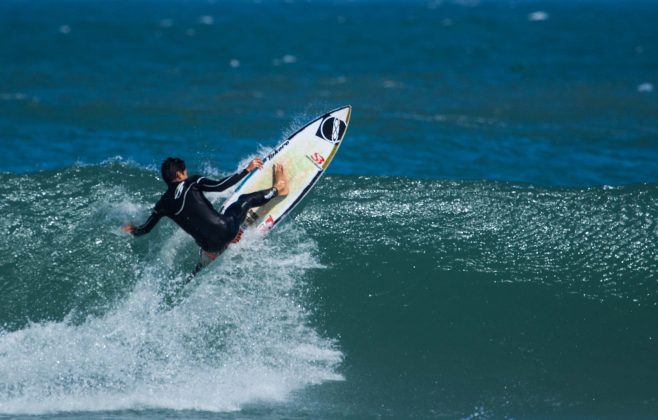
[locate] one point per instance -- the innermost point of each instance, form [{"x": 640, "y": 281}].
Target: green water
[{"x": 380, "y": 296}]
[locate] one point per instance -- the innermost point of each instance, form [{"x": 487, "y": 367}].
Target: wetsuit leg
[
  {"x": 234, "y": 215},
  {"x": 238, "y": 210},
  {"x": 223, "y": 233}
]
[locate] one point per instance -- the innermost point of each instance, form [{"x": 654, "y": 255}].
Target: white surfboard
[{"x": 305, "y": 156}]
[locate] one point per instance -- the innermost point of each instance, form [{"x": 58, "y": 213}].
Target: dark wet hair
[{"x": 169, "y": 168}]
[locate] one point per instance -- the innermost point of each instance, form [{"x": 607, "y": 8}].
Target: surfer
[{"x": 185, "y": 204}]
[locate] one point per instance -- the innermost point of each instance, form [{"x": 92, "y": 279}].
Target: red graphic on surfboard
[
  {"x": 266, "y": 225},
  {"x": 318, "y": 158}
]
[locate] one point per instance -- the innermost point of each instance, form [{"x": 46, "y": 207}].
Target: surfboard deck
[{"x": 305, "y": 155}]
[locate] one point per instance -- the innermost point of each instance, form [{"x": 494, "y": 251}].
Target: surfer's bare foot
[{"x": 280, "y": 180}]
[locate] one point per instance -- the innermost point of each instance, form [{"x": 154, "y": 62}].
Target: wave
[
  {"x": 87, "y": 325},
  {"x": 88, "y": 321},
  {"x": 599, "y": 241}
]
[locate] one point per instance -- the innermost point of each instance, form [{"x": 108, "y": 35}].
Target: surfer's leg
[
  {"x": 239, "y": 209},
  {"x": 205, "y": 258}
]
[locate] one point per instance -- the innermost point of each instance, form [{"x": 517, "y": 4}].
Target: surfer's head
[{"x": 173, "y": 169}]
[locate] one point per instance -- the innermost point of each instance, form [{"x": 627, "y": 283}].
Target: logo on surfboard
[
  {"x": 266, "y": 225},
  {"x": 317, "y": 159},
  {"x": 331, "y": 129}
]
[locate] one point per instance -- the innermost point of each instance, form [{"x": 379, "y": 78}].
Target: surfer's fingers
[{"x": 255, "y": 163}]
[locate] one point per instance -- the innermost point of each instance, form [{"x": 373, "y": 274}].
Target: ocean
[{"x": 484, "y": 244}]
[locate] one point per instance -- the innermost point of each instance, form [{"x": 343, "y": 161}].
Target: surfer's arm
[
  {"x": 207, "y": 184},
  {"x": 153, "y": 220}
]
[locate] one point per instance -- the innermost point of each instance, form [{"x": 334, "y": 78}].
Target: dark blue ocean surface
[
  {"x": 485, "y": 243},
  {"x": 552, "y": 93}
]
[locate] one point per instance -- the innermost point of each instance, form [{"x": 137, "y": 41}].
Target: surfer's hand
[
  {"x": 256, "y": 163},
  {"x": 129, "y": 228}
]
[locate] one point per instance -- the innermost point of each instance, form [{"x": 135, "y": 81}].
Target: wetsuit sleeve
[
  {"x": 153, "y": 220},
  {"x": 205, "y": 184}
]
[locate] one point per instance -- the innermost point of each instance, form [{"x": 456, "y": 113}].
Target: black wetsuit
[{"x": 186, "y": 205}]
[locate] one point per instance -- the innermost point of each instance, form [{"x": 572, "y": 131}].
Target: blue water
[
  {"x": 483, "y": 245},
  {"x": 459, "y": 90}
]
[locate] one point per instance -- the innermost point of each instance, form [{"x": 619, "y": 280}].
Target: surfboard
[{"x": 305, "y": 155}]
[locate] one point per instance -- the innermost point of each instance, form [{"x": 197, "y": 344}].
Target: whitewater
[{"x": 97, "y": 321}]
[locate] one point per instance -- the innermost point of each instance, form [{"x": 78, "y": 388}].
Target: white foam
[
  {"x": 238, "y": 335},
  {"x": 645, "y": 88},
  {"x": 166, "y": 23},
  {"x": 206, "y": 20},
  {"x": 286, "y": 59},
  {"x": 392, "y": 84},
  {"x": 289, "y": 59},
  {"x": 538, "y": 16},
  {"x": 18, "y": 97}
]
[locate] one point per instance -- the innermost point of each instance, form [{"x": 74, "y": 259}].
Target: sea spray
[
  {"x": 505, "y": 296},
  {"x": 238, "y": 334}
]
